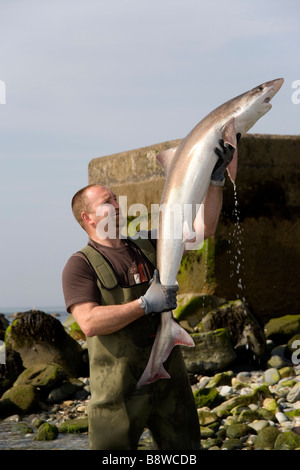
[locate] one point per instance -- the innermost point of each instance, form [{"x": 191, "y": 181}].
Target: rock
[
  {"x": 293, "y": 349},
  {"x": 221, "y": 378},
  {"x": 206, "y": 416},
  {"x": 286, "y": 372},
  {"x": 237, "y": 430},
  {"x": 66, "y": 390},
  {"x": 252, "y": 397},
  {"x": 248, "y": 415},
  {"x": 272, "y": 376},
  {"x": 294, "y": 393},
  {"x": 40, "y": 338},
  {"x": 206, "y": 432},
  {"x": 21, "y": 428},
  {"x": 23, "y": 399},
  {"x": 43, "y": 376},
  {"x": 10, "y": 371},
  {"x": 206, "y": 397},
  {"x": 247, "y": 336},
  {"x": 270, "y": 404},
  {"x": 46, "y": 432},
  {"x": 76, "y": 332},
  {"x": 281, "y": 418},
  {"x": 211, "y": 443},
  {"x": 4, "y": 324},
  {"x": 78, "y": 425},
  {"x": 225, "y": 390},
  {"x": 281, "y": 330},
  {"x": 259, "y": 425},
  {"x": 232, "y": 444},
  {"x": 192, "y": 307},
  {"x": 266, "y": 438},
  {"x": 287, "y": 441},
  {"x": 212, "y": 352}
]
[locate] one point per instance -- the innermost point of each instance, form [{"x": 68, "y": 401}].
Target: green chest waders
[{"x": 118, "y": 411}]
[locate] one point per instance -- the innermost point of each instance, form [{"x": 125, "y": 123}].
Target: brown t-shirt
[{"x": 79, "y": 279}]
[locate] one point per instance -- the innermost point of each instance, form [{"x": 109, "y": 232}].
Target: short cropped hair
[{"x": 80, "y": 202}]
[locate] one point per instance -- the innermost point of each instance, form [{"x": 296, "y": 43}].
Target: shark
[{"x": 188, "y": 168}]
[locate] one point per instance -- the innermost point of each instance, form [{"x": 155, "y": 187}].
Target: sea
[{"x": 58, "y": 312}]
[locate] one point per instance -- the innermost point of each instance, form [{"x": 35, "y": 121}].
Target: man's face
[{"x": 103, "y": 208}]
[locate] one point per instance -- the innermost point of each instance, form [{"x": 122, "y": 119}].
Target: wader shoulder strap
[
  {"x": 145, "y": 245},
  {"x": 101, "y": 266}
]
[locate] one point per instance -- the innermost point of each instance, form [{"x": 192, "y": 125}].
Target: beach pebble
[{"x": 281, "y": 417}]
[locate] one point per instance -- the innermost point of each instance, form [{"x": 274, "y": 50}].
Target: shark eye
[{"x": 260, "y": 88}]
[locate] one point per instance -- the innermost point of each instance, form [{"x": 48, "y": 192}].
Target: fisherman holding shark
[
  {"x": 113, "y": 290},
  {"x": 120, "y": 337}
]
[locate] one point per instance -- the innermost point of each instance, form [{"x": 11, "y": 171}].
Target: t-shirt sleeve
[{"x": 79, "y": 282}]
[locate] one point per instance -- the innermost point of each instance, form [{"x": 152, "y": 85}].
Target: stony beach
[{"x": 242, "y": 407}]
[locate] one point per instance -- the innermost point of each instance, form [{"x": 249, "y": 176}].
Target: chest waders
[{"x": 118, "y": 412}]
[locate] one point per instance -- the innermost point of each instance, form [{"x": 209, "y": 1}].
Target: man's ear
[{"x": 85, "y": 217}]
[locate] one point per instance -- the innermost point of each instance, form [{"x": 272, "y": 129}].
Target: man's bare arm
[{"x": 95, "y": 319}]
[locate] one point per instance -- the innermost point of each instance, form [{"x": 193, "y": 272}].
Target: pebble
[{"x": 281, "y": 417}]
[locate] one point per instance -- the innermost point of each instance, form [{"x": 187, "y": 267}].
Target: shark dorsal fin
[{"x": 166, "y": 158}]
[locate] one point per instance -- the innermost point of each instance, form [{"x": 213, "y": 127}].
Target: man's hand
[
  {"x": 159, "y": 298},
  {"x": 225, "y": 156}
]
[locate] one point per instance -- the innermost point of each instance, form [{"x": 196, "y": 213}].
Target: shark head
[
  {"x": 246, "y": 110},
  {"x": 253, "y": 104},
  {"x": 261, "y": 95}
]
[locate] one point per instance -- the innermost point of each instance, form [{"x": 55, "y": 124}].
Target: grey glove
[
  {"x": 225, "y": 156},
  {"x": 159, "y": 298}
]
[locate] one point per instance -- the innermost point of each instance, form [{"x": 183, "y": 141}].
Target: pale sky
[{"x": 90, "y": 78}]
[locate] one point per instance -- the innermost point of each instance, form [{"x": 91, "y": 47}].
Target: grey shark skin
[{"x": 188, "y": 170}]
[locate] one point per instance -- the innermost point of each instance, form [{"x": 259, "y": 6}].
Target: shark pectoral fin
[
  {"x": 232, "y": 167},
  {"x": 195, "y": 238},
  {"x": 180, "y": 336},
  {"x": 166, "y": 158},
  {"x": 229, "y": 137},
  {"x": 187, "y": 234},
  {"x": 229, "y": 133}
]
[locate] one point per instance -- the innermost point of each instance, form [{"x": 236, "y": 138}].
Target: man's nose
[{"x": 115, "y": 204}]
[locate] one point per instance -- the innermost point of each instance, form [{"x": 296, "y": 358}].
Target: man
[{"x": 107, "y": 289}]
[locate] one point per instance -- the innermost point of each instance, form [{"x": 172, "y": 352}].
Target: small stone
[
  {"x": 46, "y": 432},
  {"x": 206, "y": 432},
  {"x": 287, "y": 441},
  {"x": 277, "y": 362},
  {"x": 13, "y": 418},
  {"x": 281, "y": 417},
  {"x": 247, "y": 416},
  {"x": 270, "y": 404},
  {"x": 266, "y": 438},
  {"x": 225, "y": 390},
  {"x": 232, "y": 444},
  {"x": 259, "y": 425},
  {"x": 271, "y": 376},
  {"x": 206, "y": 417},
  {"x": 294, "y": 394},
  {"x": 21, "y": 428},
  {"x": 237, "y": 430}
]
